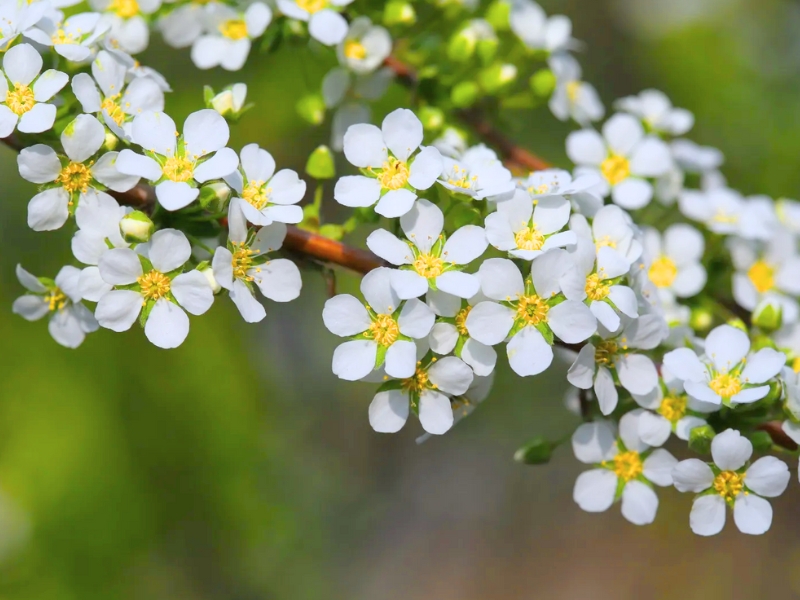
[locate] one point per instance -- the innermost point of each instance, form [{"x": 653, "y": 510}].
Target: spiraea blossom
[
  {"x": 572, "y": 97},
  {"x": 730, "y": 480},
  {"x": 75, "y": 38},
  {"x": 230, "y": 34},
  {"x": 624, "y": 156},
  {"x": 477, "y": 173},
  {"x": 177, "y": 164},
  {"x": 538, "y": 31},
  {"x": 126, "y": 21},
  {"x": 325, "y": 24},
  {"x": 394, "y": 165},
  {"x": 673, "y": 261},
  {"x": 365, "y": 47},
  {"x": 657, "y": 113}
]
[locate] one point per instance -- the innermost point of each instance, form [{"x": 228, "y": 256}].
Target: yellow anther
[
  {"x": 75, "y": 177},
  {"x": 384, "y": 330},
  {"x": 596, "y": 289},
  {"x": 256, "y": 194},
  {"x": 124, "y": 8},
  {"x": 529, "y": 238},
  {"x": 428, "y": 266},
  {"x": 627, "y": 465},
  {"x": 673, "y": 408},
  {"x": 355, "y": 50},
  {"x": 394, "y": 174},
  {"x": 532, "y": 309},
  {"x": 178, "y": 168},
  {"x": 726, "y": 385},
  {"x": 663, "y": 272},
  {"x": 762, "y": 275},
  {"x": 20, "y": 100},
  {"x": 615, "y": 169},
  {"x": 728, "y": 484},
  {"x": 233, "y": 29},
  {"x": 461, "y": 320},
  {"x": 154, "y": 285}
]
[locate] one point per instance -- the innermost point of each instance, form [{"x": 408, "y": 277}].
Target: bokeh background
[{"x": 238, "y": 467}]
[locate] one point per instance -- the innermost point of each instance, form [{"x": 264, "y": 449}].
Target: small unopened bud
[
  {"x": 700, "y": 439},
  {"x": 230, "y": 102},
  {"x": 536, "y": 452},
  {"x": 774, "y": 394},
  {"x": 136, "y": 227},
  {"x": 311, "y": 108},
  {"x": 399, "y": 12},
  {"x": 320, "y": 163},
  {"x": 739, "y": 324},
  {"x": 214, "y": 195},
  {"x": 462, "y": 45},
  {"x": 761, "y": 441},
  {"x": 768, "y": 316},
  {"x": 465, "y": 94},
  {"x": 432, "y": 118},
  {"x": 701, "y": 319},
  {"x": 543, "y": 82},
  {"x": 497, "y": 76},
  {"x": 111, "y": 141},
  {"x": 498, "y": 14},
  {"x": 205, "y": 268}
]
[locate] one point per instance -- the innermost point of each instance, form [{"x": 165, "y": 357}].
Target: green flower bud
[
  {"x": 432, "y": 118},
  {"x": 311, "y": 108},
  {"x": 462, "y": 45},
  {"x": 700, "y": 439},
  {"x": 214, "y": 195},
  {"x": 136, "y": 227},
  {"x": 701, "y": 319},
  {"x": 761, "y": 441},
  {"x": 320, "y": 163},
  {"x": 111, "y": 141},
  {"x": 543, "y": 82},
  {"x": 465, "y": 94},
  {"x": 487, "y": 48},
  {"x": 762, "y": 341},
  {"x": 496, "y": 77},
  {"x": 205, "y": 268},
  {"x": 536, "y": 452},
  {"x": 774, "y": 394},
  {"x": 499, "y": 14},
  {"x": 230, "y": 102},
  {"x": 768, "y": 316},
  {"x": 739, "y": 324},
  {"x": 399, "y": 12}
]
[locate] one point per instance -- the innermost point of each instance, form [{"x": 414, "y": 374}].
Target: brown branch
[{"x": 778, "y": 435}]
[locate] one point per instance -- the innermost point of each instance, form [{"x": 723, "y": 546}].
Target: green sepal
[
  {"x": 536, "y": 452},
  {"x": 380, "y": 355},
  {"x": 546, "y": 332}
]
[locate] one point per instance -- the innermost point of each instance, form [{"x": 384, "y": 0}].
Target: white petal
[
  {"x": 327, "y": 27},
  {"x": 480, "y": 357},
  {"x": 489, "y": 322},
  {"x": 586, "y": 147},
  {"x": 606, "y": 391},
  {"x": 279, "y": 280},
  {"x": 529, "y": 353},
  {"x": 223, "y": 163},
  {"x": 658, "y": 467},
  {"x": 750, "y": 395},
  {"x": 727, "y": 346},
  {"x": 708, "y": 515},
  {"x": 38, "y": 164},
  {"x": 344, "y": 315},
  {"x": 83, "y": 137},
  {"x": 120, "y": 266},
  {"x": 174, "y": 195},
  {"x": 425, "y": 169},
  {"x": 594, "y": 490},
  {"x": 763, "y": 365},
  {"x": 594, "y": 442},
  {"x": 66, "y": 329},
  {"x": 354, "y": 360},
  {"x": 377, "y": 289},
  {"x": 423, "y": 224},
  {"x": 623, "y": 132},
  {"x": 692, "y": 475},
  {"x": 30, "y": 282},
  {"x": 684, "y": 364},
  {"x": 118, "y": 309},
  {"x": 637, "y": 373},
  {"x": 465, "y": 245},
  {"x": 416, "y": 319},
  {"x": 22, "y": 63},
  {"x": 605, "y": 314},
  {"x": 401, "y": 359},
  {"x": 252, "y": 310},
  {"x": 500, "y": 279},
  {"x": 167, "y": 325},
  {"x": 752, "y": 514},
  {"x": 357, "y": 191},
  {"x": 632, "y": 194},
  {"x": 389, "y": 248},
  {"x": 388, "y": 411},
  {"x": 92, "y": 286},
  {"x": 731, "y": 450},
  {"x": 629, "y": 430},
  {"x": 581, "y": 373},
  {"x": 364, "y": 146},
  {"x": 130, "y": 163},
  {"x": 443, "y": 338},
  {"x": 639, "y": 503},
  {"x": 435, "y": 412},
  {"x": 408, "y": 284},
  {"x": 30, "y": 308},
  {"x": 767, "y": 477},
  {"x": 451, "y": 375},
  {"x": 572, "y": 321},
  {"x": 654, "y": 429},
  {"x": 193, "y": 292},
  {"x": 154, "y": 131},
  {"x": 48, "y": 210},
  {"x": 395, "y": 203},
  {"x": 205, "y": 131},
  {"x": 651, "y": 158},
  {"x": 402, "y": 132},
  {"x": 463, "y": 285},
  {"x": 169, "y": 249}
]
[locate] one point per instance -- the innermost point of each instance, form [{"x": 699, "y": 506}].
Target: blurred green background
[{"x": 239, "y": 467}]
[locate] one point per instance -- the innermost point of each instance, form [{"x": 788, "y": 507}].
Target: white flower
[
  {"x": 731, "y": 481},
  {"x": 393, "y": 169},
  {"x": 624, "y": 156},
  {"x": 325, "y": 25},
  {"x": 340, "y": 83},
  {"x": 611, "y": 228},
  {"x": 673, "y": 411},
  {"x": 365, "y": 47},
  {"x": 428, "y": 259},
  {"x": 70, "y": 320},
  {"x": 656, "y": 111},
  {"x": 427, "y": 391},
  {"x": 572, "y": 97},
  {"x": 176, "y": 164},
  {"x": 672, "y": 260},
  {"x": 98, "y": 219},
  {"x": 244, "y": 263},
  {"x": 127, "y": 22},
  {"x": 720, "y": 210},
  {"x": 383, "y": 331},
  {"x": 265, "y": 196},
  {"x": 183, "y": 25},
  {"x": 452, "y": 143},
  {"x": 694, "y": 158},
  {"x": 230, "y": 101},
  {"x": 527, "y": 228},
  {"x": 449, "y": 333},
  {"x": 477, "y": 173},
  {"x": 767, "y": 273},
  {"x": 24, "y": 93},
  {"x": 74, "y": 38},
  {"x": 727, "y": 373},
  {"x": 232, "y": 31},
  {"x": 466, "y": 403},
  {"x": 115, "y": 100},
  {"x": 626, "y": 469},
  {"x": 155, "y": 286},
  {"x": 530, "y": 312},
  {"x": 16, "y": 18},
  {"x": 538, "y": 32},
  {"x": 597, "y": 362},
  {"x": 68, "y": 180}
]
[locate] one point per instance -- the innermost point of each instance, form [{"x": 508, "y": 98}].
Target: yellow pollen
[
  {"x": 728, "y": 484},
  {"x": 573, "y": 89},
  {"x": 75, "y": 177},
  {"x": 20, "y": 100},
  {"x": 796, "y": 364},
  {"x": 242, "y": 261},
  {"x": 673, "y": 408},
  {"x": 604, "y": 352},
  {"x": 605, "y": 241},
  {"x": 312, "y": 6},
  {"x": 529, "y": 238},
  {"x": 461, "y": 320},
  {"x": 532, "y": 309},
  {"x": 394, "y": 174},
  {"x": 615, "y": 169},
  {"x": 627, "y": 465},
  {"x": 726, "y": 385},
  {"x": 233, "y": 29},
  {"x": 663, "y": 272},
  {"x": 178, "y": 168},
  {"x": 125, "y": 8},
  {"x": 722, "y": 217},
  {"x": 56, "y": 299},
  {"x": 112, "y": 108},
  {"x": 762, "y": 276},
  {"x": 595, "y": 288},
  {"x": 62, "y": 37},
  {"x": 355, "y": 50},
  {"x": 428, "y": 266},
  {"x": 417, "y": 382},
  {"x": 155, "y": 285},
  {"x": 461, "y": 178},
  {"x": 384, "y": 330},
  {"x": 256, "y": 194}
]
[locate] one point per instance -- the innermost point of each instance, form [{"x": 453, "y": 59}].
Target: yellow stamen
[
  {"x": 728, "y": 484},
  {"x": 796, "y": 364},
  {"x": 615, "y": 169},
  {"x": 762, "y": 276},
  {"x": 20, "y": 100},
  {"x": 355, "y": 50},
  {"x": 62, "y": 37},
  {"x": 75, "y": 177},
  {"x": 56, "y": 299},
  {"x": 233, "y": 29},
  {"x": 384, "y": 330},
  {"x": 627, "y": 465},
  {"x": 242, "y": 261},
  {"x": 461, "y": 178},
  {"x": 596, "y": 289},
  {"x": 663, "y": 272},
  {"x": 532, "y": 309},
  {"x": 529, "y": 238},
  {"x": 726, "y": 385},
  {"x": 312, "y": 6},
  {"x": 154, "y": 285},
  {"x": 673, "y": 408},
  {"x": 418, "y": 382},
  {"x": 256, "y": 194},
  {"x": 113, "y": 109},
  {"x": 461, "y": 320},
  {"x": 178, "y": 168},
  {"x": 605, "y": 241},
  {"x": 394, "y": 174},
  {"x": 573, "y": 89},
  {"x": 428, "y": 266},
  {"x": 604, "y": 352},
  {"x": 124, "y": 8}
]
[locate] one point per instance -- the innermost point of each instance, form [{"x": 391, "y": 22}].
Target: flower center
[
  {"x": 394, "y": 174},
  {"x": 726, "y": 385},
  {"x": 605, "y": 241},
  {"x": 573, "y": 89},
  {"x": 722, "y": 217},
  {"x": 256, "y": 194},
  {"x": 355, "y": 50},
  {"x": 595, "y": 288},
  {"x": 233, "y": 29},
  {"x": 673, "y": 408},
  {"x": 460, "y": 178},
  {"x": 242, "y": 261},
  {"x": 762, "y": 276},
  {"x": 56, "y": 299},
  {"x": 627, "y": 465},
  {"x": 796, "y": 364},
  {"x": 178, "y": 168},
  {"x": 112, "y": 108},
  {"x": 62, "y": 37},
  {"x": 728, "y": 484},
  {"x": 529, "y": 238},
  {"x": 154, "y": 285},
  {"x": 461, "y": 320},
  {"x": 125, "y": 8},
  {"x": 418, "y": 382},
  {"x": 428, "y": 266},
  {"x": 75, "y": 177},
  {"x": 532, "y": 309},
  {"x": 312, "y": 6},
  {"x": 604, "y": 352},
  {"x": 615, "y": 169},
  {"x": 384, "y": 330},
  {"x": 20, "y": 99},
  {"x": 663, "y": 272}
]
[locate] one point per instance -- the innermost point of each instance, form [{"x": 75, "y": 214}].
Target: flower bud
[
  {"x": 311, "y": 108},
  {"x": 136, "y": 227},
  {"x": 768, "y": 316},
  {"x": 462, "y": 45},
  {"x": 205, "y": 268},
  {"x": 229, "y": 102},
  {"x": 774, "y": 394},
  {"x": 761, "y": 441},
  {"x": 214, "y": 195},
  {"x": 701, "y": 319},
  {"x": 543, "y": 82},
  {"x": 432, "y": 118},
  {"x": 465, "y": 94},
  {"x": 320, "y": 163},
  {"x": 497, "y": 76},
  {"x": 399, "y": 12},
  {"x": 498, "y": 14},
  {"x": 739, "y": 324},
  {"x": 700, "y": 439},
  {"x": 111, "y": 141},
  {"x": 536, "y": 452}
]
